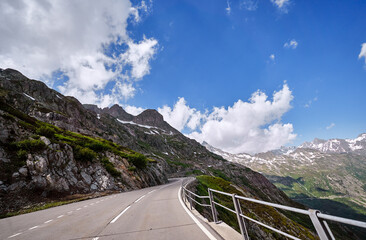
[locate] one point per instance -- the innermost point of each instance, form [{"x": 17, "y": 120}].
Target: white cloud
[
  {"x": 136, "y": 10},
  {"x": 124, "y": 90},
  {"x": 228, "y": 8},
  {"x": 139, "y": 55},
  {"x": 330, "y": 126},
  {"x": 272, "y": 57},
  {"x": 133, "y": 110},
  {"x": 252, "y": 126},
  {"x": 363, "y": 52},
  {"x": 292, "y": 44},
  {"x": 282, "y": 5},
  {"x": 41, "y": 37},
  {"x": 181, "y": 115},
  {"x": 250, "y": 5}
]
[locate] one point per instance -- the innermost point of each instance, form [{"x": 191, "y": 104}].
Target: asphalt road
[{"x": 150, "y": 213}]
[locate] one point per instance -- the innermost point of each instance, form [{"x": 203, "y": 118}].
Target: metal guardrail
[{"x": 317, "y": 218}]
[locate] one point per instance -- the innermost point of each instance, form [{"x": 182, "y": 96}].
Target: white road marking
[
  {"x": 48, "y": 221},
  {"x": 14, "y": 235},
  {"x": 96, "y": 238},
  {"x": 140, "y": 199},
  {"x": 208, "y": 234},
  {"x": 60, "y": 216},
  {"x": 69, "y": 212},
  {"x": 86, "y": 206},
  {"x": 151, "y": 191},
  {"x": 91, "y": 204},
  {"x": 115, "y": 219},
  {"x": 33, "y": 227},
  {"x": 78, "y": 209}
]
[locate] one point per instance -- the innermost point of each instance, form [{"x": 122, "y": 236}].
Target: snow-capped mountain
[
  {"x": 304, "y": 153},
  {"x": 357, "y": 145},
  {"x": 334, "y": 168}
]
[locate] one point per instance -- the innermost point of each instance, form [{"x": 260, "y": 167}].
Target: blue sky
[
  {"x": 200, "y": 62},
  {"x": 213, "y": 59}
]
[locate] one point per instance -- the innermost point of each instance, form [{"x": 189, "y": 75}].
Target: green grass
[
  {"x": 26, "y": 125},
  {"x": 132, "y": 168},
  {"x": 259, "y": 212},
  {"x": 86, "y": 144},
  {"x": 150, "y": 160},
  {"x": 30, "y": 145},
  {"x": 139, "y": 160},
  {"x": 218, "y": 173},
  {"x": 46, "y": 131},
  {"x": 110, "y": 167},
  {"x": 84, "y": 154}
]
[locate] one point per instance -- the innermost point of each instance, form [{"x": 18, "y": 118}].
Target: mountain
[
  {"x": 54, "y": 148},
  {"x": 356, "y": 146},
  {"x": 329, "y": 175}
]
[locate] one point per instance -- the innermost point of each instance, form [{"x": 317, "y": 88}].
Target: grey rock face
[
  {"x": 45, "y": 140},
  {"x": 118, "y": 112},
  {"x": 23, "y": 171},
  {"x": 87, "y": 179},
  {"x": 56, "y": 170}
]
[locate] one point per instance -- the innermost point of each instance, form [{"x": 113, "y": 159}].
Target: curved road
[{"x": 149, "y": 213}]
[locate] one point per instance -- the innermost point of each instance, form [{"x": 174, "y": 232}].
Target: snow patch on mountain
[{"x": 307, "y": 153}]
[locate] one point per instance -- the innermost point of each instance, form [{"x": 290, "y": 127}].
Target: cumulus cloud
[
  {"x": 282, "y": 5},
  {"x": 73, "y": 37},
  {"x": 330, "y": 126},
  {"x": 133, "y": 110},
  {"x": 181, "y": 115},
  {"x": 291, "y": 44},
  {"x": 253, "y": 126},
  {"x": 138, "y": 56},
  {"x": 363, "y": 52}
]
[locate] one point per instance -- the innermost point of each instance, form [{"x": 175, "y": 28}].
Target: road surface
[{"x": 150, "y": 213}]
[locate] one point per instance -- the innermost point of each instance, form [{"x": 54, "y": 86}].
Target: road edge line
[
  {"x": 208, "y": 234},
  {"x": 116, "y": 218}
]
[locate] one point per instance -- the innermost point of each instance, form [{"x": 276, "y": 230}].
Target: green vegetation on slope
[
  {"x": 258, "y": 212},
  {"x": 85, "y": 148}
]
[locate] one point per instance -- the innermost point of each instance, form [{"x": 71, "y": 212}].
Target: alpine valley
[
  {"x": 54, "y": 150},
  {"x": 329, "y": 175}
]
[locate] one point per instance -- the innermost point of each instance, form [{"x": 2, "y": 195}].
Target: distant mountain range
[
  {"x": 356, "y": 146},
  {"x": 332, "y": 170}
]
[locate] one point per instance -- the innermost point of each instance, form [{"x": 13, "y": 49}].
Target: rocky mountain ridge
[{"x": 356, "y": 145}]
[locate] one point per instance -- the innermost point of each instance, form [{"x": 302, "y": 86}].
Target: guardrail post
[
  {"x": 321, "y": 227},
  {"x": 190, "y": 199},
  {"x": 213, "y": 208},
  {"x": 241, "y": 222}
]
